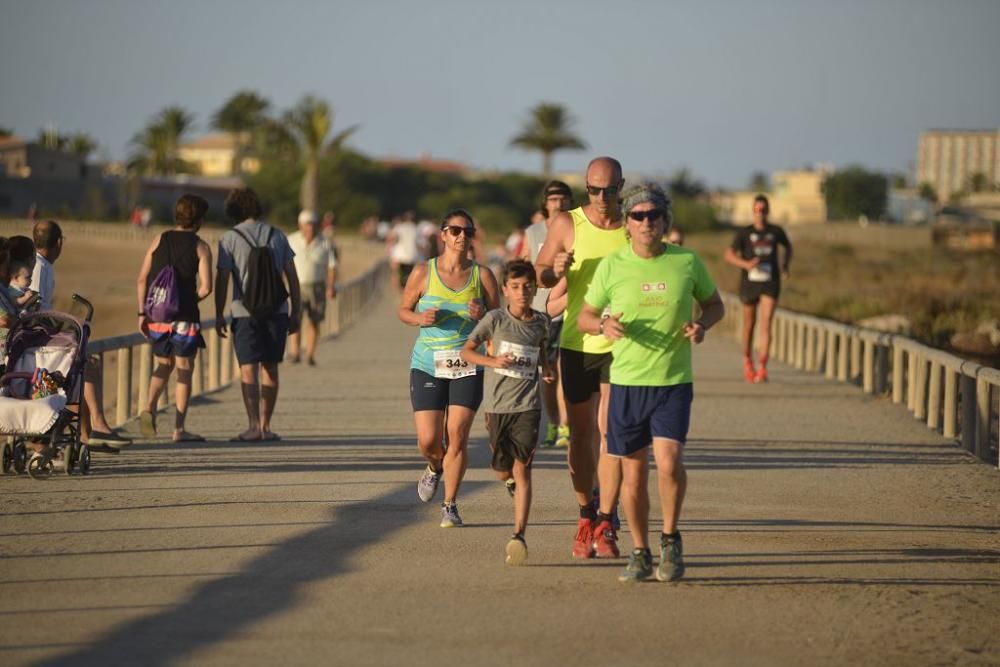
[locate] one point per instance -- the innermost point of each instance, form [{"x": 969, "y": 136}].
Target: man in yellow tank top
[{"x": 577, "y": 242}]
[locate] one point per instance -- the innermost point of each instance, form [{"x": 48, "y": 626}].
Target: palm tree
[
  {"x": 309, "y": 122},
  {"x": 548, "y": 130},
  {"x": 81, "y": 145},
  {"x": 241, "y": 116},
  {"x": 155, "y": 146}
]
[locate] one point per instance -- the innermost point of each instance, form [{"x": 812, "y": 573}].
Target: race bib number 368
[
  {"x": 449, "y": 365},
  {"x": 525, "y": 364}
]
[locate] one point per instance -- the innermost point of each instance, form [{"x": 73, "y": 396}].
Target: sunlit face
[
  {"x": 604, "y": 185},
  {"x": 457, "y": 233},
  {"x": 519, "y": 291},
  {"x": 649, "y": 229}
]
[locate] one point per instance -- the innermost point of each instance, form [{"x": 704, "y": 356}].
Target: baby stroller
[{"x": 41, "y": 390}]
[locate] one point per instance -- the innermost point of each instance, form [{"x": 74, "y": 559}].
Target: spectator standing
[
  {"x": 316, "y": 266},
  {"x": 258, "y": 339}
]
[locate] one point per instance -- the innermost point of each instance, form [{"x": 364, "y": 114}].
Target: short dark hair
[
  {"x": 46, "y": 234},
  {"x": 518, "y": 268},
  {"x": 457, "y": 213},
  {"x": 242, "y": 204},
  {"x": 190, "y": 210},
  {"x": 763, "y": 200},
  {"x": 22, "y": 249}
]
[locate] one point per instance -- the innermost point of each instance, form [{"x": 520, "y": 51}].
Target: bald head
[
  {"x": 604, "y": 168},
  {"x": 48, "y": 237}
]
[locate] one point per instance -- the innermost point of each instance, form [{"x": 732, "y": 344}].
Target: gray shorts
[
  {"x": 314, "y": 301},
  {"x": 513, "y": 437}
]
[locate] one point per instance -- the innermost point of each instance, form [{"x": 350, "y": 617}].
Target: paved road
[{"x": 822, "y": 527}]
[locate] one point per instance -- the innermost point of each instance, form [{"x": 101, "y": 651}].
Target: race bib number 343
[
  {"x": 525, "y": 364},
  {"x": 450, "y": 366}
]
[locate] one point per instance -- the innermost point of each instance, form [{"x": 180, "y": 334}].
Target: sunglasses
[
  {"x": 653, "y": 216},
  {"x": 610, "y": 191},
  {"x": 455, "y": 230}
]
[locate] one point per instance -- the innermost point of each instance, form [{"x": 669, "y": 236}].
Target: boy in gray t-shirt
[{"x": 517, "y": 337}]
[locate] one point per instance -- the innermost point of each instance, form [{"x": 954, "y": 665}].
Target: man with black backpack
[{"x": 259, "y": 260}]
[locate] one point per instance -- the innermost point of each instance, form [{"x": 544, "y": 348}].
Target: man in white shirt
[
  {"x": 95, "y": 429},
  {"x": 316, "y": 265}
]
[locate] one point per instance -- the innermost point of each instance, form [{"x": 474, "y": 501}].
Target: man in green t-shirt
[{"x": 650, "y": 289}]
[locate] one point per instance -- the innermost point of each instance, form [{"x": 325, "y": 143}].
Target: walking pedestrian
[
  {"x": 258, "y": 259},
  {"x": 176, "y": 342},
  {"x": 316, "y": 266},
  {"x": 445, "y": 297},
  {"x": 641, "y": 300}
]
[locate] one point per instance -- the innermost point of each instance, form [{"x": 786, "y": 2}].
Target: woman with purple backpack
[{"x": 176, "y": 274}]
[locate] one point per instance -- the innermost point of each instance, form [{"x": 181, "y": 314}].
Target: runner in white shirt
[{"x": 316, "y": 265}]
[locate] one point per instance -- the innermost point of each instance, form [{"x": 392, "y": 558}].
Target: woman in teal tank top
[{"x": 445, "y": 298}]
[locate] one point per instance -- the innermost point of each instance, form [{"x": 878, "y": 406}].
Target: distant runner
[
  {"x": 445, "y": 297},
  {"x": 755, "y": 251},
  {"x": 556, "y": 198},
  {"x": 650, "y": 288}
]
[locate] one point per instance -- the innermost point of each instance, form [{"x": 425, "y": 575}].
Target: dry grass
[
  {"x": 105, "y": 272},
  {"x": 846, "y": 273}
]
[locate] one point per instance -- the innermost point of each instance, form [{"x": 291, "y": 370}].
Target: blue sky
[{"x": 723, "y": 88}]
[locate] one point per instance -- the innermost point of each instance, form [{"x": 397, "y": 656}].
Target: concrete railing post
[
  {"x": 123, "y": 402},
  {"x": 868, "y": 368},
  {"x": 897, "y": 374},
  {"x": 950, "y": 427},
  {"x": 934, "y": 397},
  {"x": 920, "y": 400},
  {"x": 145, "y": 373},
  {"x": 968, "y": 423},
  {"x": 212, "y": 343},
  {"x": 842, "y": 356},
  {"x": 856, "y": 370}
]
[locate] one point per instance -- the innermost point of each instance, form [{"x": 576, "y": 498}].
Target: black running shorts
[{"x": 583, "y": 373}]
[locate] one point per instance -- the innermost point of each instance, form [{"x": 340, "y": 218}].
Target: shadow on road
[{"x": 268, "y": 585}]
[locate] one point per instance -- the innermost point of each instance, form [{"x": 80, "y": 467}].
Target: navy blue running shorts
[
  {"x": 636, "y": 415},
  {"x": 430, "y": 393},
  {"x": 260, "y": 341}
]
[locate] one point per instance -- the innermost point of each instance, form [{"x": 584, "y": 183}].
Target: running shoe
[
  {"x": 428, "y": 484},
  {"x": 551, "y": 433},
  {"x": 449, "y": 516},
  {"x": 112, "y": 439},
  {"x": 748, "y": 372},
  {"x": 517, "y": 550},
  {"x": 583, "y": 544},
  {"x": 606, "y": 541},
  {"x": 562, "y": 441},
  {"x": 671, "y": 559},
  {"x": 639, "y": 568},
  {"x": 761, "y": 375},
  {"x": 511, "y": 486}
]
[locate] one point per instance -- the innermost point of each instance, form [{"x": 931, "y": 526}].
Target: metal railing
[
  {"x": 129, "y": 358},
  {"x": 958, "y": 398}
]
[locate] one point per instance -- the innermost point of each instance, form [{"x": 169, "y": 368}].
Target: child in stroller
[{"x": 40, "y": 393}]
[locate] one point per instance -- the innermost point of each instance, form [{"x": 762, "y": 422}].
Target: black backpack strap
[{"x": 247, "y": 238}]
